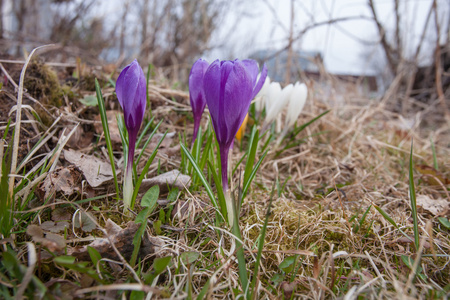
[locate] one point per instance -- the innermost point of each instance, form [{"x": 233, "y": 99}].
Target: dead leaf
[
  {"x": 84, "y": 221},
  {"x": 54, "y": 226},
  {"x": 167, "y": 180},
  {"x": 61, "y": 214},
  {"x": 112, "y": 124},
  {"x": 80, "y": 139},
  {"x": 123, "y": 240},
  {"x": 437, "y": 207},
  {"x": 288, "y": 288},
  {"x": 51, "y": 241},
  {"x": 432, "y": 176},
  {"x": 62, "y": 179},
  {"x": 35, "y": 231},
  {"x": 95, "y": 170}
]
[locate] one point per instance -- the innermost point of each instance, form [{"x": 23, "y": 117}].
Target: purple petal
[
  {"x": 261, "y": 81},
  {"x": 238, "y": 91},
  {"x": 196, "y": 92},
  {"x": 252, "y": 69},
  {"x": 131, "y": 93},
  {"x": 211, "y": 85}
]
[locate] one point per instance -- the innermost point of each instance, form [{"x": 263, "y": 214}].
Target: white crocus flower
[
  {"x": 274, "y": 102},
  {"x": 297, "y": 100},
  {"x": 260, "y": 99}
]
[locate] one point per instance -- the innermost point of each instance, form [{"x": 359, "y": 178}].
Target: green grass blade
[
  {"x": 412, "y": 197},
  {"x": 147, "y": 142},
  {"x": 238, "y": 164},
  {"x": 390, "y": 220},
  {"x": 260, "y": 247},
  {"x": 144, "y": 131},
  {"x": 242, "y": 268},
  {"x": 252, "y": 175},
  {"x": 253, "y": 145},
  {"x": 149, "y": 71},
  {"x": 433, "y": 149},
  {"x": 220, "y": 195},
  {"x": 144, "y": 171},
  {"x": 101, "y": 107},
  {"x": 200, "y": 174}
]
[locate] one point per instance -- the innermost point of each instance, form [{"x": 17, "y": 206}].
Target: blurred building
[
  {"x": 308, "y": 65},
  {"x": 276, "y": 61}
]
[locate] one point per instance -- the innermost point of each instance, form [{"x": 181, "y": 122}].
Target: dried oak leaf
[
  {"x": 167, "y": 180},
  {"x": 112, "y": 124},
  {"x": 438, "y": 207},
  {"x": 123, "y": 241},
  {"x": 95, "y": 170},
  {"x": 80, "y": 139}
]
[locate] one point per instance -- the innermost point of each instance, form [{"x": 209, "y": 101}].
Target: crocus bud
[
  {"x": 131, "y": 93},
  {"x": 297, "y": 99},
  {"x": 229, "y": 88},
  {"x": 196, "y": 93},
  {"x": 274, "y": 102}
]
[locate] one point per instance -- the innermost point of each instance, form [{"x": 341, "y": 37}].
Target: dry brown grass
[{"x": 359, "y": 160}]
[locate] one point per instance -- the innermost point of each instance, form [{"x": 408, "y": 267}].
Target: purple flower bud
[
  {"x": 131, "y": 92},
  {"x": 229, "y": 88},
  {"x": 196, "y": 92}
]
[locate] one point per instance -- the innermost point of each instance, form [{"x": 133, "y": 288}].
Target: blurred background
[{"x": 377, "y": 45}]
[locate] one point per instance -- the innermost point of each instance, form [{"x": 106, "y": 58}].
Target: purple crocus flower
[
  {"x": 196, "y": 92},
  {"x": 229, "y": 88},
  {"x": 131, "y": 92}
]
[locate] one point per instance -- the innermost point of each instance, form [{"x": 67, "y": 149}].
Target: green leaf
[
  {"x": 251, "y": 153},
  {"x": 89, "y": 100},
  {"x": 150, "y": 198},
  {"x": 409, "y": 262},
  {"x": 142, "y": 216},
  {"x": 252, "y": 175},
  {"x": 145, "y": 170},
  {"x": 160, "y": 264},
  {"x": 101, "y": 107},
  {"x": 64, "y": 260},
  {"x": 173, "y": 194},
  {"x": 94, "y": 254},
  {"x": 137, "y": 295},
  {"x": 157, "y": 227},
  {"x": 137, "y": 239},
  {"x": 412, "y": 197},
  {"x": 445, "y": 222},
  {"x": 200, "y": 174},
  {"x": 189, "y": 257},
  {"x": 84, "y": 220},
  {"x": 277, "y": 278},
  {"x": 287, "y": 264}
]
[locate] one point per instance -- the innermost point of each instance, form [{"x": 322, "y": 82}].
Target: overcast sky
[
  {"x": 347, "y": 47},
  {"x": 344, "y": 46}
]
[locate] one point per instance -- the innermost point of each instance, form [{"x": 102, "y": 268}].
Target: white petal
[
  {"x": 273, "y": 102},
  {"x": 262, "y": 95},
  {"x": 297, "y": 101}
]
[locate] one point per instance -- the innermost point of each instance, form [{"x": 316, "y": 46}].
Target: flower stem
[
  {"x": 128, "y": 182},
  {"x": 224, "y": 164}
]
